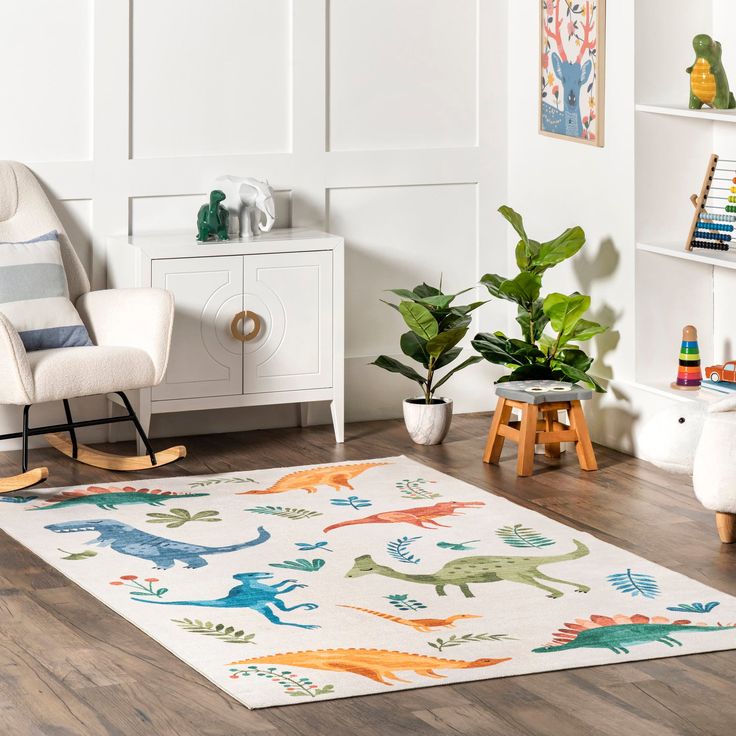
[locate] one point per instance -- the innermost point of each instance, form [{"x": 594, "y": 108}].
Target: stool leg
[
  {"x": 583, "y": 446},
  {"x": 551, "y": 449},
  {"x": 527, "y": 440},
  {"x": 494, "y": 445}
]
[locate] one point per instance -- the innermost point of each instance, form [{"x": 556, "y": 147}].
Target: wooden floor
[{"x": 71, "y": 667}]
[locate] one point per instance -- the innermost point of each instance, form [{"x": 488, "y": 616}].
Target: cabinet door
[
  {"x": 205, "y": 360},
  {"x": 291, "y": 295}
]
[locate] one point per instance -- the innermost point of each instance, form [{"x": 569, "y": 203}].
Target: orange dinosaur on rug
[
  {"x": 380, "y": 665},
  {"x": 425, "y": 625},
  {"x": 422, "y": 516},
  {"x": 334, "y": 476}
]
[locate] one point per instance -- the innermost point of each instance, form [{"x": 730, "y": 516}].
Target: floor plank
[{"x": 71, "y": 667}]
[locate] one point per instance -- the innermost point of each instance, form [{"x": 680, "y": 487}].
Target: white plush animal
[
  {"x": 694, "y": 438},
  {"x": 247, "y": 199}
]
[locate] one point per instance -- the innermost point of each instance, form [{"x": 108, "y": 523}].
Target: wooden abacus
[{"x": 715, "y": 214}]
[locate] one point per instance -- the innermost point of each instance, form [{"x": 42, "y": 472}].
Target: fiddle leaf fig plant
[
  {"x": 436, "y": 327},
  {"x": 539, "y": 355}
]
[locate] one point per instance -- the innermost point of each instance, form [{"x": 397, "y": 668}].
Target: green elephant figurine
[
  {"x": 708, "y": 80},
  {"x": 212, "y": 220}
]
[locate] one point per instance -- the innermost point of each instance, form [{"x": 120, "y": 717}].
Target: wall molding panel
[{"x": 365, "y": 115}]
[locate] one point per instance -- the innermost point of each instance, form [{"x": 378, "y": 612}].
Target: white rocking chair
[{"x": 130, "y": 329}]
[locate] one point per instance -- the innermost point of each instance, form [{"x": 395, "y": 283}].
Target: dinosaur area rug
[{"x": 294, "y": 585}]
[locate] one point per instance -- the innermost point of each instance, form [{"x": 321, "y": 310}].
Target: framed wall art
[{"x": 572, "y": 91}]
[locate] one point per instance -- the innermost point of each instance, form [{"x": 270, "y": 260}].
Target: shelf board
[
  {"x": 717, "y": 259},
  {"x": 702, "y": 396},
  {"x": 720, "y": 116}
]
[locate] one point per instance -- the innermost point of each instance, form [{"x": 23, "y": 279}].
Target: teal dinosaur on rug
[{"x": 360, "y": 577}]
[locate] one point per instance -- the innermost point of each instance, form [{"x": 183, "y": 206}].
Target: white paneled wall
[{"x": 382, "y": 120}]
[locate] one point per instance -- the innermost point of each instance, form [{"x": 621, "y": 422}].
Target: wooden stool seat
[{"x": 540, "y": 423}]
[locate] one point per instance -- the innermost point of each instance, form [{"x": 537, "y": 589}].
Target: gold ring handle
[{"x": 235, "y": 324}]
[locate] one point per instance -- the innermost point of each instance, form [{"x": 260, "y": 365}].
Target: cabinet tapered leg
[{"x": 337, "y": 409}]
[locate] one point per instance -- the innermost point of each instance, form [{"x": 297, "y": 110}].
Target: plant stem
[{"x": 428, "y": 386}]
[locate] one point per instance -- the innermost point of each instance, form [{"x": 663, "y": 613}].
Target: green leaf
[
  {"x": 515, "y": 220},
  {"x": 415, "y": 347},
  {"x": 531, "y": 372},
  {"x": 522, "y": 289},
  {"x": 470, "y": 361},
  {"x": 87, "y": 553},
  {"x": 525, "y": 316},
  {"x": 204, "y": 514},
  {"x": 390, "y": 304},
  {"x": 180, "y": 512},
  {"x": 442, "y": 301},
  {"x": 520, "y": 536},
  {"x": 499, "y": 349},
  {"x": 419, "y": 319},
  {"x": 565, "y": 312},
  {"x": 394, "y": 366},
  {"x": 447, "y": 358},
  {"x": 585, "y": 330},
  {"x": 574, "y": 357},
  {"x": 445, "y": 341},
  {"x": 492, "y": 282},
  {"x": 466, "y": 309},
  {"x": 405, "y": 294},
  {"x": 576, "y": 375},
  {"x": 560, "y": 249},
  {"x": 424, "y": 290}
]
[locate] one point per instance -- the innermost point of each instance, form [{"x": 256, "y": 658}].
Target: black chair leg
[
  {"x": 138, "y": 427},
  {"x": 72, "y": 431},
  {"x": 24, "y": 456}
]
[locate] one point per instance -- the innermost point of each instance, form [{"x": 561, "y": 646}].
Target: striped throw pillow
[{"x": 34, "y": 294}]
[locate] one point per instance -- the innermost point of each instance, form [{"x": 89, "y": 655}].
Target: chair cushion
[
  {"x": 34, "y": 295},
  {"x": 66, "y": 373}
]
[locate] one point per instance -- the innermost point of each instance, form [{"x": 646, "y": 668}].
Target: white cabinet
[{"x": 257, "y": 321}]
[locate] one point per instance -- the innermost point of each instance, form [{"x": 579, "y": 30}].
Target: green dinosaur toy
[
  {"x": 212, "y": 219},
  {"x": 708, "y": 80}
]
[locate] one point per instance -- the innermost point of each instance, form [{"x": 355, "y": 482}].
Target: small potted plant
[
  {"x": 436, "y": 326},
  {"x": 540, "y": 355}
]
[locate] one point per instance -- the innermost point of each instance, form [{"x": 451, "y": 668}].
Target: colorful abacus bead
[
  {"x": 689, "y": 373},
  {"x": 709, "y": 245}
]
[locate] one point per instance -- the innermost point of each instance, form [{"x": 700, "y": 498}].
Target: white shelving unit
[{"x": 675, "y": 287}]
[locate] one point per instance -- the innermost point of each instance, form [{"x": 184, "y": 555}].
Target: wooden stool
[{"x": 539, "y": 423}]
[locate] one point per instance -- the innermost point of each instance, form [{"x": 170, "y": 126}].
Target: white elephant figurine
[
  {"x": 699, "y": 439},
  {"x": 246, "y": 199}
]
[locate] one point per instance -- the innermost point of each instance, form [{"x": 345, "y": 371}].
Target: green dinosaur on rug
[
  {"x": 109, "y": 499},
  {"x": 617, "y": 633},
  {"x": 481, "y": 569}
]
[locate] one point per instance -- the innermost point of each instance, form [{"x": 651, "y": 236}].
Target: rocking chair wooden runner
[{"x": 130, "y": 329}]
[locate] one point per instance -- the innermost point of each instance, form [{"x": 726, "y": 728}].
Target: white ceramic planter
[{"x": 427, "y": 424}]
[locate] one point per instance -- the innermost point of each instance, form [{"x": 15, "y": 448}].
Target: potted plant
[
  {"x": 539, "y": 355},
  {"x": 436, "y": 326}
]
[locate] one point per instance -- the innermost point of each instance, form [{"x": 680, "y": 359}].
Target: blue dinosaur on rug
[
  {"x": 251, "y": 594},
  {"x": 161, "y": 551}
]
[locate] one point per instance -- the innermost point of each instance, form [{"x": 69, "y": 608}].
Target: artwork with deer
[{"x": 572, "y": 70}]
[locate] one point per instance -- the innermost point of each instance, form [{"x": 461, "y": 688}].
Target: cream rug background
[{"x": 272, "y": 551}]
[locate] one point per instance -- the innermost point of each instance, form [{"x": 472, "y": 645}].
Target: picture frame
[{"x": 572, "y": 37}]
